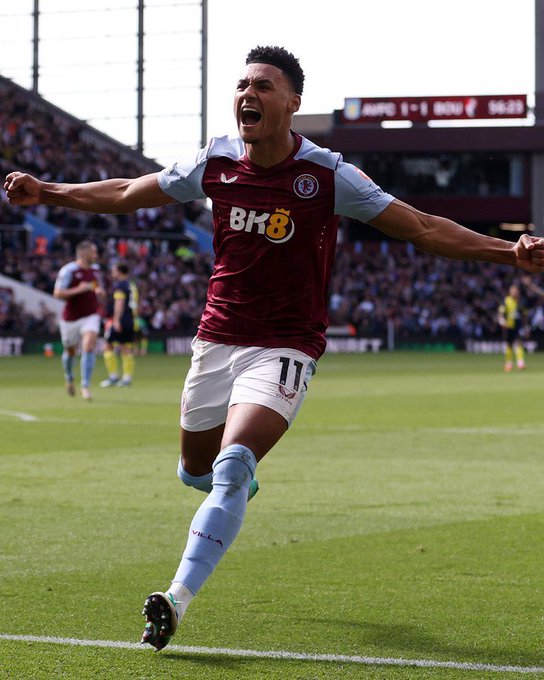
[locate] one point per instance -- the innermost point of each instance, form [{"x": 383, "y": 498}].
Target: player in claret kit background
[
  {"x": 276, "y": 198},
  {"x": 78, "y": 284}
]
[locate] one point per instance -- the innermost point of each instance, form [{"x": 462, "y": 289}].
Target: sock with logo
[{"x": 219, "y": 519}]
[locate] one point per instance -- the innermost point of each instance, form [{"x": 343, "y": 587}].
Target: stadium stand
[{"x": 375, "y": 284}]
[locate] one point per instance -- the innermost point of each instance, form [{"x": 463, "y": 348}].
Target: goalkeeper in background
[{"x": 119, "y": 332}]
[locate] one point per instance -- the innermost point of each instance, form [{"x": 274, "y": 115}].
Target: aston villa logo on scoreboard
[{"x": 352, "y": 108}]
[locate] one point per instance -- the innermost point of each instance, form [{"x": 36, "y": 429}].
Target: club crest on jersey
[
  {"x": 277, "y": 227},
  {"x": 306, "y": 186}
]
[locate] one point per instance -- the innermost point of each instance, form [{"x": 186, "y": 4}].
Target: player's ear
[{"x": 294, "y": 104}]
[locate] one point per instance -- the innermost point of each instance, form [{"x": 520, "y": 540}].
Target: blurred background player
[
  {"x": 78, "y": 284},
  {"x": 119, "y": 334},
  {"x": 510, "y": 320},
  {"x": 141, "y": 336}
]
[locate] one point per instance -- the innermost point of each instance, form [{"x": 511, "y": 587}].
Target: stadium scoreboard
[{"x": 422, "y": 109}]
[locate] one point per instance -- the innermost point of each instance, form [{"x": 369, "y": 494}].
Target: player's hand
[
  {"x": 22, "y": 189},
  {"x": 529, "y": 251},
  {"x": 84, "y": 287},
  {"x": 117, "y": 326}
]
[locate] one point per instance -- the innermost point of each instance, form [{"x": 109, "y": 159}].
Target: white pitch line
[
  {"x": 282, "y": 655},
  {"x": 27, "y": 417}
]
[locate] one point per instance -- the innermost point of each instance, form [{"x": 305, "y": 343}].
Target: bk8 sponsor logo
[{"x": 277, "y": 227}]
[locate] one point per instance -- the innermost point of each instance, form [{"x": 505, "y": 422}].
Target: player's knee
[{"x": 234, "y": 466}]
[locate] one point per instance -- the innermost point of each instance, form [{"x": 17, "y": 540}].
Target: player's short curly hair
[{"x": 284, "y": 60}]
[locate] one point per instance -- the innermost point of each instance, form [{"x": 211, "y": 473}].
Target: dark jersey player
[
  {"x": 119, "y": 332},
  {"x": 78, "y": 284},
  {"x": 276, "y": 202}
]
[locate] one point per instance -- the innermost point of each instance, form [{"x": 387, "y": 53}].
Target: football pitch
[{"x": 398, "y": 532}]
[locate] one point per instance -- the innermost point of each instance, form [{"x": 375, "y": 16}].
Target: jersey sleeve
[
  {"x": 64, "y": 277},
  {"x": 183, "y": 180},
  {"x": 356, "y": 195}
]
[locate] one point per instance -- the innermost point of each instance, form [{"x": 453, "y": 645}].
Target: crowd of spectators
[
  {"x": 390, "y": 286},
  {"x": 375, "y": 287},
  {"x": 44, "y": 141}
]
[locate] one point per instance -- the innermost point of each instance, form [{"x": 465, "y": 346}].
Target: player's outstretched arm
[
  {"x": 107, "y": 196},
  {"x": 441, "y": 236}
]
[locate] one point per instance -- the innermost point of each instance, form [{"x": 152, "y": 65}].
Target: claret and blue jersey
[
  {"x": 274, "y": 238},
  {"x": 84, "y": 304}
]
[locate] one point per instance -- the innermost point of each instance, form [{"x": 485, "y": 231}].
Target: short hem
[
  {"x": 200, "y": 428},
  {"x": 261, "y": 403}
]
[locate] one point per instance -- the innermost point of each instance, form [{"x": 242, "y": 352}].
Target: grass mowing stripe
[
  {"x": 513, "y": 430},
  {"x": 291, "y": 656},
  {"x": 499, "y": 431}
]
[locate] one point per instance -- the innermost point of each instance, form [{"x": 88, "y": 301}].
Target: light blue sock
[
  {"x": 218, "y": 520},
  {"x": 202, "y": 483},
  {"x": 87, "y": 365},
  {"x": 68, "y": 366}
]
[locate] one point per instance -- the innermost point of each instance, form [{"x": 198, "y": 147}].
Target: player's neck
[{"x": 269, "y": 152}]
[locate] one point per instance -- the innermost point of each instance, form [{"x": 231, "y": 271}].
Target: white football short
[
  {"x": 72, "y": 331},
  {"x": 223, "y": 375}
]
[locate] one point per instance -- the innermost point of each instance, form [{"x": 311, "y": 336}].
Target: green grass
[{"x": 401, "y": 516}]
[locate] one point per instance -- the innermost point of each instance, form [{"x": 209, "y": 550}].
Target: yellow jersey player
[{"x": 510, "y": 320}]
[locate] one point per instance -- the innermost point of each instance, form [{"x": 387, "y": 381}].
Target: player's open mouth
[{"x": 250, "y": 116}]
